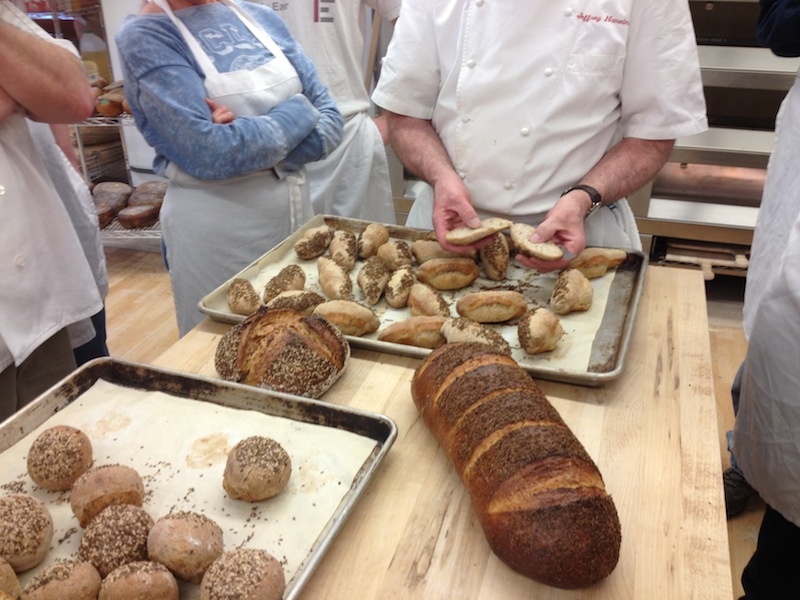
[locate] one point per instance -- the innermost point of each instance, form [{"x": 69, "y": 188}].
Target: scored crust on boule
[
  {"x": 117, "y": 536},
  {"x": 244, "y": 574},
  {"x": 58, "y": 456},
  {"x": 26, "y": 530},
  {"x": 66, "y": 579},
  {"x": 140, "y": 580},
  {"x": 463, "y": 236},
  {"x": 103, "y": 486},
  {"x": 282, "y": 350},
  {"x": 257, "y": 468},
  {"x": 186, "y": 543},
  {"x": 521, "y": 236}
]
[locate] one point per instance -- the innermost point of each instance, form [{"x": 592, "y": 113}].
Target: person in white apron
[
  {"x": 236, "y": 191},
  {"x": 354, "y": 180},
  {"x": 766, "y": 434}
]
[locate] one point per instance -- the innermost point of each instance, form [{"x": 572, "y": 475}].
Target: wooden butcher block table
[{"x": 652, "y": 433}]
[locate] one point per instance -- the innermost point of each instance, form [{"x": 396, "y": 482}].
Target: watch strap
[{"x": 594, "y": 195}]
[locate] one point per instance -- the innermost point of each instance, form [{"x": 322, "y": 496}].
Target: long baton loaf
[{"x": 539, "y": 496}]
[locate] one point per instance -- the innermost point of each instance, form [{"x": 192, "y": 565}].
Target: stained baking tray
[
  {"x": 592, "y": 351},
  {"x": 113, "y": 400}
]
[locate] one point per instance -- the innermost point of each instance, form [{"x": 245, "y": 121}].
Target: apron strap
[{"x": 205, "y": 61}]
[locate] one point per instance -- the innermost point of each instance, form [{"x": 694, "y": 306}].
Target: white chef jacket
[
  {"x": 353, "y": 181},
  {"x": 766, "y": 438},
  {"x": 528, "y": 96},
  {"x": 47, "y": 283}
]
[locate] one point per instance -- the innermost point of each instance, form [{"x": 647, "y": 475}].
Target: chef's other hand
[
  {"x": 563, "y": 226},
  {"x": 452, "y": 207},
  {"x": 220, "y": 114}
]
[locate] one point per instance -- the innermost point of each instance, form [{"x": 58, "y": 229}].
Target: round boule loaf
[
  {"x": 64, "y": 580},
  {"x": 140, "y": 580},
  {"x": 115, "y": 537},
  {"x": 186, "y": 543},
  {"x": 257, "y": 468},
  {"x": 103, "y": 486},
  {"x": 136, "y": 217},
  {"x": 9, "y": 584},
  {"x": 26, "y": 530},
  {"x": 58, "y": 456},
  {"x": 244, "y": 574}
]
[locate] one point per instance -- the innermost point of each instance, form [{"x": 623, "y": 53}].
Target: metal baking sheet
[
  {"x": 591, "y": 352},
  {"x": 208, "y": 416}
]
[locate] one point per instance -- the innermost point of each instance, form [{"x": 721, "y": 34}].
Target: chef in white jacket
[{"x": 542, "y": 112}]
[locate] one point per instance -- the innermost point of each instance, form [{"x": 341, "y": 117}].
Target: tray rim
[
  {"x": 66, "y": 391},
  {"x": 583, "y": 378}
]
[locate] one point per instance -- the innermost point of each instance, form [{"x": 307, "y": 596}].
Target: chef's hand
[
  {"x": 563, "y": 226},
  {"x": 452, "y": 207},
  {"x": 7, "y": 105}
]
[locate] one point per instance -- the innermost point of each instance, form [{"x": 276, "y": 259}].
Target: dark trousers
[
  {"x": 773, "y": 572},
  {"x": 94, "y": 348}
]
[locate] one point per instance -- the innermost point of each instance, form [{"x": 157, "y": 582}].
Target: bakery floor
[{"x": 141, "y": 325}]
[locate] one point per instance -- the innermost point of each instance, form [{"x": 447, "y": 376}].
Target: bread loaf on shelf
[{"x": 540, "y": 498}]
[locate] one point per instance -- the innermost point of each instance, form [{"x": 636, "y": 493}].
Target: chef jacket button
[
  {"x": 508, "y": 185},
  {"x": 478, "y": 2},
  {"x": 2, "y": 190},
  {"x": 471, "y": 63},
  {"x": 462, "y": 174},
  {"x": 19, "y": 260},
  {"x": 568, "y": 12},
  {"x": 548, "y": 72},
  {"x": 465, "y": 119},
  {"x": 525, "y": 132}
]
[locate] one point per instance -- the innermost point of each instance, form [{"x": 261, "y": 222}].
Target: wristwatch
[{"x": 597, "y": 199}]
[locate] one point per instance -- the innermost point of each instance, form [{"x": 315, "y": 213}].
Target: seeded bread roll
[
  {"x": 538, "y": 495},
  {"x": 257, "y": 468},
  {"x": 399, "y": 286},
  {"x": 465, "y": 330},
  {"x": 521, "y": 236},
  {"x": 344, "y": 249},
  {"x": 244, "y": 574},
  {"x": 424, "y": 300},
  {"x": 242, "y": 297},
  {"x": 303, "y": 301},
  {"x": 372, "y": 238},
  {"x": 103, "y": 486},
  {"x": 281, "y": 350},
  {"x": 492, "y": 306},
  {"x": 463, "y": 236},
  {"x": 140, "y": 580},
  {"x": 115, "y": 537},
  {"x": 373, "y": 277},
  {"x": 422, "y": 331},
  {"x": 495, "y": 257},
  {"x": 334, "y": 279},
  {"x": 186, "y": 543},
  {"x": 9, "y": 584},
  {"x": 313, "y": 242},
  {"x": 539, "y": 330},
  {"x": 26, "y": 530},
  {"x": 396, "y": 254},
  {"x": 350, "y": 317},
  {"x": 572, "y": 292},
  {"x": 448, "y": 273},
  {"x": 595, "y": 262},
  {"x": 58, "y": 456},
  {"x": 291, "y": 277},
  {"x": 64, "y": 580}
]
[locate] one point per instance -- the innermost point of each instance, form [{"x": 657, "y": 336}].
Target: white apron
[
  {"x": 353, "y": 180},
  {"x": 766, "y": 439},
  {"x": 213, "y": 229}
]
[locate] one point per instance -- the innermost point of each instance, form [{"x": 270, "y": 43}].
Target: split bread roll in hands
[{"x": 538, "y": 495}]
